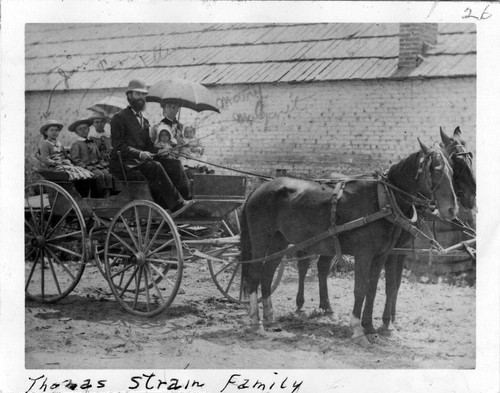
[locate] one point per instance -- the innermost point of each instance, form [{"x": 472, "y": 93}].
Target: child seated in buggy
[
  {"x": 53, "y": 157},
  {"x": 85, "y": 153}
]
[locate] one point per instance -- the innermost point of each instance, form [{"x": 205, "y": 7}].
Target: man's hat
[
  {"x": 51, "y": 123},
  {"x": 137, "y": 85},
  {"x": 75, "y": 124}
]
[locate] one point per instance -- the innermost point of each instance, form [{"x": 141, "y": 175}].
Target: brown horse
[
  {"x": 464, "y": 183},
  {"x": 287, "y": 211}
]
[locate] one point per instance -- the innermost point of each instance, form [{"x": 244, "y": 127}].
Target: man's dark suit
[{"x": 130, "y": 139}]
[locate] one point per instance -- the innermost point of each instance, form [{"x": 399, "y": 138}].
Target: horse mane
[{"x": 404, "y": 169}]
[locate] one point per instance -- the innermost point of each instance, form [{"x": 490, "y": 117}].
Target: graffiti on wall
[
  {"x": 99, "y": 63},
  {"x": 259, "y": 110}
]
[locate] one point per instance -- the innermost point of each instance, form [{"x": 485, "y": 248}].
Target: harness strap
[
  {"x": 337, "y": 194},
  {"x": 332, "y": 231},
  {"x": 387, "y": 200}
]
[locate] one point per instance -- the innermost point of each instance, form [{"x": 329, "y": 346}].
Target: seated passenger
[
  {"x": 165, "y": 140},
  {"x": 53, "y": 156},
  {"x": 187, "y": 146},
  {"x": 194, "y": 149},
  {"x": 85, "y": 154},
  {"x": 131, "y": 141},
  {"x": 100, "y": 135}
]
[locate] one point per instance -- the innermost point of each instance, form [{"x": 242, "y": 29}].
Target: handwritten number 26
[{"x": 484, "y": 15}]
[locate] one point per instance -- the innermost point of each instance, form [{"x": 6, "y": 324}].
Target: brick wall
[{"x": 307, "y": 129}]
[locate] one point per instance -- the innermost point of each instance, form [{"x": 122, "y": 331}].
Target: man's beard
[{"x": 137, "y": 104}]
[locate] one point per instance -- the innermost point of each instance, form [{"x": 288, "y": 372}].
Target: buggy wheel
[
  {"x": 225, "y": 270},
  {"x": 55, "y": 238},
  {"x": 143, "y": 258},
  {"x": 227, "y": 274}
]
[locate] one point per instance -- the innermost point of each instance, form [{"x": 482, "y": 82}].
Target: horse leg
[
  {"x": 324, "y": 264},
  {"x": 251, "y": 293},
  {"x": 278, "y": 244},
  {"x": 399, "y": 277},
  {"x": 361, "y": 281},
  {"x": 367, "y": 321},
  {"x": 391, "y": 265},
  {"x": 303, "y": 265},
  {"x": 393, "y": 276}
]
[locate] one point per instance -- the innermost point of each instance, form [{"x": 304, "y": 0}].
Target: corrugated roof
[{"x": 85, "y": 56}]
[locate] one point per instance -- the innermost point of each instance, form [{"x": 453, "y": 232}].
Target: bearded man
[{"x": 130, "y": 138}]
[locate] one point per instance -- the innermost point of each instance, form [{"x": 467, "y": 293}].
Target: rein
[{"x": 220, "y": 166}]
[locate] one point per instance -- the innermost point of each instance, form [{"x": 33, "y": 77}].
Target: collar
[
  {"x": 53, "y": 143},
  {"x": 168, "y": 121},
  {"x": 94, "y": 134},
  {"x": 138, "y": 114},
  {"x": 88, "y": 140}
]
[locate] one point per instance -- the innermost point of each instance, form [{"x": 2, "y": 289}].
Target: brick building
[{"x": 305, "y": 99}]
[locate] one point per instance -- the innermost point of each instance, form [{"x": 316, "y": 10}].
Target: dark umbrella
[
  {"x": 185, "y": 93},
  {"x": 109, "y": 106}
]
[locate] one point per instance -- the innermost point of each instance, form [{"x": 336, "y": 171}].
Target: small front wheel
[
  {"x": 143, "y": 258},
  {"x": 225, "y": 269}
]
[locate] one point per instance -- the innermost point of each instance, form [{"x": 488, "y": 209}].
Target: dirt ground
[{"x": 202, "y": 330}]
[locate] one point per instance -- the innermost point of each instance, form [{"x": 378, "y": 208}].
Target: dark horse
[
  {"x": 288, "y": 211},
  {"x": 464, "y": 184}
]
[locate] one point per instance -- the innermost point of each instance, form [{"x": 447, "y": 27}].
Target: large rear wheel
[{"x": 55, "y": 239}]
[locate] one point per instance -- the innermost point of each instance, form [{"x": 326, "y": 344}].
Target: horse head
[
  {"x": 464, "y": 179},
  {"x": 435, "y": 179}
]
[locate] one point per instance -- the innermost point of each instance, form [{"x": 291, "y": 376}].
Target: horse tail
[{"x": 245, "y": 252}]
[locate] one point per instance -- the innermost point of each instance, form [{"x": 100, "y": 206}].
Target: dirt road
[{"x": 201, "y": 330}]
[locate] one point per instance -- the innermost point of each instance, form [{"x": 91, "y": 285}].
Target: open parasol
[
  {"x": 185, "y": 93},
  {"x": 109, "y": 106}
]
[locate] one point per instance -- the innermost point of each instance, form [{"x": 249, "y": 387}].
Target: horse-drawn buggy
[{"x": 141, "y": 248}]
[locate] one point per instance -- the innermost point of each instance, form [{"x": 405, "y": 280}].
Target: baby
[
  {"x": 165, "y": 140},
  {"x": 85, "y": 153},
  {"x": 52, "y": 155}
]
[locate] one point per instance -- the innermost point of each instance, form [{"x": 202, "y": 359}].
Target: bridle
[
  {"x": 467, "y": 155},
  {"x": 425, "y": 166}
]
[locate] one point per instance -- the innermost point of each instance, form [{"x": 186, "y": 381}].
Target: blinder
[{"x": 424, "y": 168}]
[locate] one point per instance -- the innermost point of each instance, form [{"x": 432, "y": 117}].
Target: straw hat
[
  {"x": 51, "y": 123},
  {"x": 98, "y": 115},
  {"x": 137, "y": 85},
  {"x": 75, "y": 124}
]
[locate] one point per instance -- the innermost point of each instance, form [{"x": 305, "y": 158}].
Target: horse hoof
[
  {"x": 275, "y": 327},
  {"x": 256, "y": 328},
  {"x": 272, "y": 325},
  {"x": 373, "y": 338},
  {"x": 361, "y": 341},
  {"x": 385, "y": 331},
  {"x": 327, "y": 312}
]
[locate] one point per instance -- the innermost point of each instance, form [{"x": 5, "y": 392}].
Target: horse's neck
[{"x": 403, "y": 176}]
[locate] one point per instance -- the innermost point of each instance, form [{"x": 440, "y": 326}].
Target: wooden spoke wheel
[
  {"x": 143, "y": 258},
  {"x": 54, "y": 242},
  {"x": 226, "y": 271}
]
